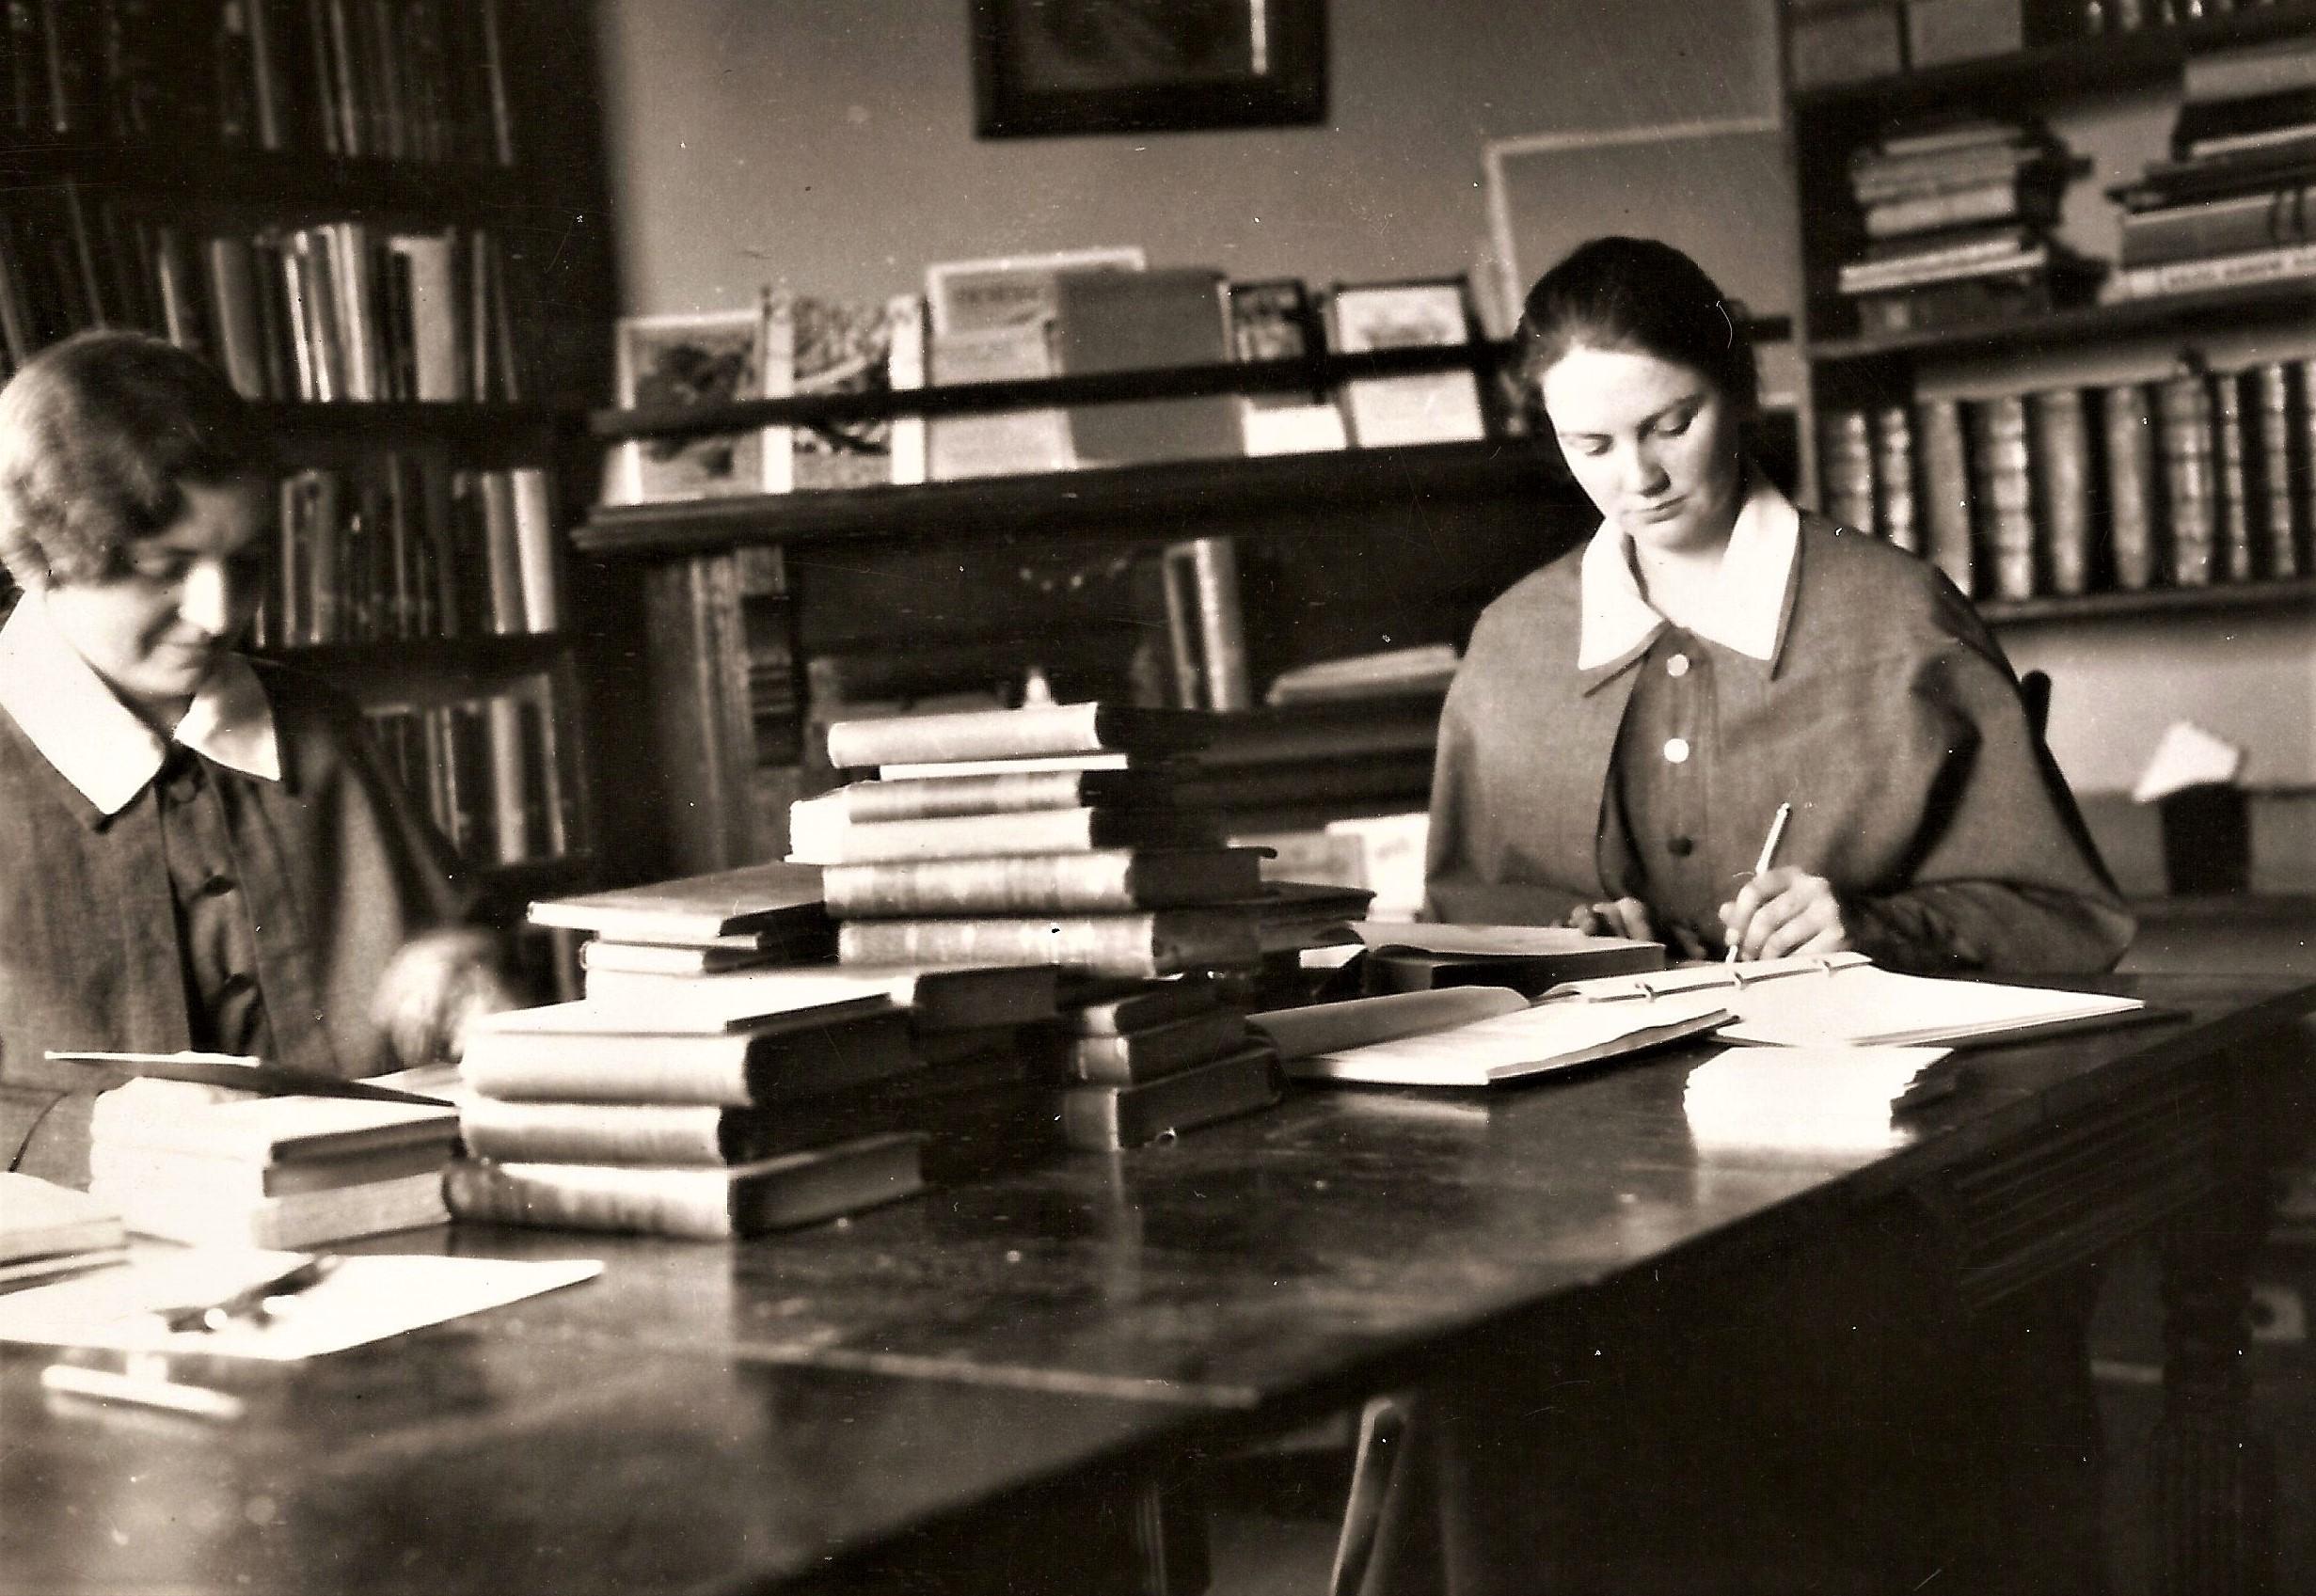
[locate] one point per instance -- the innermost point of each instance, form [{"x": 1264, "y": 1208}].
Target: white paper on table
[
  {"x": 1829, "y": 1099},
  {"x": 363, "y": 1299}
]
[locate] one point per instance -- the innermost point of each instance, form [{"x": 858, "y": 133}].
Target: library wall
[{"x": 828, "y": 145}]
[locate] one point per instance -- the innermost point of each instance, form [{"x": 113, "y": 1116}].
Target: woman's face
[
  {"x": 154, "y": 631},
  {"x": 1654, "y": 444}
]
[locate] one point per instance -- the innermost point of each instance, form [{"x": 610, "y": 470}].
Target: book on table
[
  {"x": 1133, "y": 1056},
  {"x": 1110, "y": 1117},
  {"x": 774, "y": 899},
  {"x": 820, "y": 834},
  {"x": 706, "y": 1202},
  {"x": 1157, "y": 942},
  {"x": 1410, "y": 955},
  {"x": 46, "y": 1228},
  {"x": 1004, "y": 792},
  {"x": 508, "y": 1130},
  {"x": 1035, "y": 732},
  {"x": 1095, "y": 879},
  {"x": 937, "y": 996},
  {"x": 766, "y": 1063},
  {"x": 1098, "y": 1007},
  {"x": 1517, "y": 1044},
  {"x": 765, "y": 1011}
]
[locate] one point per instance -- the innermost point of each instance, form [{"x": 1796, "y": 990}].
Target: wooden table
[{"x": 1031, "y": 1338}]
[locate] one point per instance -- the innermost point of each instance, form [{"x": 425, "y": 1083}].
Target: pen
[
  {"x": 249, "y": 1302},
  {"x": 1768, "y": 855},
  {"x": 142, "y": 1389}
]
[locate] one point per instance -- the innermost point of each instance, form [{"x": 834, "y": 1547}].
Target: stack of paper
[{"x": 1830, "y": 1100}]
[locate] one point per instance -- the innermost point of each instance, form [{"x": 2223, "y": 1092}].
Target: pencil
[{"x": 1768, "y": 857}]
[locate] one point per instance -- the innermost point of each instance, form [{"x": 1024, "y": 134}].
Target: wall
[{"x": 827, "y": 145}]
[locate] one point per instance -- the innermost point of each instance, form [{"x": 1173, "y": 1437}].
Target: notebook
[{"x": 1845, "y": 1000}]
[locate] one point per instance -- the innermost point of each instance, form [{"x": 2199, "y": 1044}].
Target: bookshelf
[
  {"x": 2174, "y": 474},
  {"x": 386, "y": 224}
]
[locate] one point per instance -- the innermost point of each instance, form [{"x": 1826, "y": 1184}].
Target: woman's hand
[
  {"x": 1626, "y": 917},
  {"x": 437, "y": 985},
  {"x": 1786, "y": 912}
]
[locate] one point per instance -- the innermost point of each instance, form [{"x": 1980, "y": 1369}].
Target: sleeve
[
  {"x": 2007, "y": 877},
  {"x": 1453, "y": 889}
]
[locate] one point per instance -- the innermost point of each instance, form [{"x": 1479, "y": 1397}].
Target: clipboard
[{"x": 243, "y": 1073}]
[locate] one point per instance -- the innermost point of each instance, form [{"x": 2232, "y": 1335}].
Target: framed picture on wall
[
  {"x": 709, "y": 357},
  {"x": 1043, "y": 67}
]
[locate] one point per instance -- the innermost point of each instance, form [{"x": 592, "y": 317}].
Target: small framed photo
[
  {"x": 1433, "y": 407},
  {"x": 709, "y": 357},
  {"x": 1043, "y": 67}
]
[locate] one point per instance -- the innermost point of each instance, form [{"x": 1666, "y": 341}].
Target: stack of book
[
  {"x": 677, "y": 1120},
  {"x": 2232, "y": 204},
  {"x": 1956, "y": 217},
  {"x": 198, "y": 1164},
  {"x": 1052, "y": 836}
]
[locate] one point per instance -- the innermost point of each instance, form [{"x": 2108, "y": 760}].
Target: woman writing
[
  {"x": 1628, "y": 719},
  {"x": 196, "y": 851}
]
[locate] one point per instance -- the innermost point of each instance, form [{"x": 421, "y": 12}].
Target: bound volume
[
  {"x": 1159, "y": 942},
  {"x": 738, "y": 1067},
  {"x": 706, "y": 1204},
  {"x": 1015, "y": 734},
  {"x": 1106, "y": 1117},
  {"x": 756, "y": 900},
  {"x": 821, "y": 835},
  {"x": 1104, "y": 879}
]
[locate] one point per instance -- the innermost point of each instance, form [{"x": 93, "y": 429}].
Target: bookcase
[
  {"x": 383, "y": 220},
  {"x": 2110, "y": 410}
]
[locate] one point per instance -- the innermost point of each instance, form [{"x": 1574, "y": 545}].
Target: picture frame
[
  {"x": 700, "y": 357},
  {"x": 1431, "y": 407},
  {"x": 1042, "y": 68}
]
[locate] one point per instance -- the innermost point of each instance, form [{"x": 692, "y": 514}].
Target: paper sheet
[
  {"x": 1817, "y": 1100},
  {"x": 365, "y": 1299}
]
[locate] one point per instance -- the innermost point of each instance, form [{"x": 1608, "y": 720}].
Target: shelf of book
[
  {"x": 2116, "y": 60},
  {"x": 2282, "y": 301},
  {"x": 272, "y": 183},
  {"x": 2295, "y": 593}
]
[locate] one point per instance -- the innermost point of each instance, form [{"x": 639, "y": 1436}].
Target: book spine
[
  {"x": 2231, "y": 477},
  {"x": 1001, "y": 793},
  {"x": 621, "y": 1133},
  {"x": 677, "y": 1069},
  {"x": 1111, "y": 945},
  {"x": 1003, "y": 733},
  {"x": 2303, "y": 462},
  {"x": 2184, "y": 405},
  {"x": 696, "y": 1204},
  {"x": 1989, "y": 202},
  {"x": 2218, "y": 271},
  {"x": 1222, "y": 631},
  {"x": 1101, "y": 1118},
  {"x": 2274, "y": 495},
  {"x": 2235, "y": 225},
  {"x": 2061, "y": 450},
  {"x": 1058, "y": 884},
  {"x": 1147, "y": 1055},
  {"x": 2134, "y": 485},
  {"x": 2003, "y": 491},
  {"x": 299, "y": 1219},
  {"x": 1846, "y": 468},
  {"x": 1896, "y": 502},
  {"x": 1948, "y": 534}
]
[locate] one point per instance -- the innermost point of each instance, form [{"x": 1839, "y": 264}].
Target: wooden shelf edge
[
  {"x": 2294, "y": 592},
  {"x": 2081, "y": 324},
  {"x": 2112, "y": 60},
  {"x": 1121, "y": 502}
]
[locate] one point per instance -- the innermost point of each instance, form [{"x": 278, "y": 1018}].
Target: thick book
[
  {"x": 937, "y": 998},
  {"x": 820, "y": 835},
  {"x": 2183, "y": 408},
  {"x": 198, "y": 1217},
  {"x": 2274, "y": 488},
  {"x": 2224, "y": 225},
  {"x": 2059, "y": 448},
  {"x": 1003, "y": 793},
  {"x": 736, "y": 1067},
  {"x": 1030, "y": 732},
  {"x": 1947, "y": 536},
  {"x": 1536, "y": 1039},
  {"x": 1846, "y": 1000},
  {"x": 1146, "y": 320},
  {"x": 1413, "y": 956},
  {"x": 922, "y": 770},
  {"x": 2002, "y": 491},
  {"x": 706, "y": 1202},
  {"x": 1896, "y": 502},
  {"x": 1846, "y": 468},
  {"x": 687, "y": 1135},
  {"x": 764, "y": 1011},
  {"x": 2230, "y": 478},
  {"x": 1108, "y": 1008},
  {"x": 1129, "y": 1057},
  {"x": 1106, "y": 1118},
  {"x": 2134, "y": 485},
  {"x": 2005, "y": 199},
  {"x": 220, "y": 1178},
  {"x": 2276, "y": 264},
  {"x": 707, "y": 957},
  {"x": 39, "y": 1219},
  {"x": 1158, "y": 942},
  {"x": 754, "y": 898},
  {"x": 212, "y": 1122},
  {"x": 1095, "y": 881}
]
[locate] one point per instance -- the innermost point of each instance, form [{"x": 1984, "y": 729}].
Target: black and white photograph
[{"x": 1157, "y": 797}]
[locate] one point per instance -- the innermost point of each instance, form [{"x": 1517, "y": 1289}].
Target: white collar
[
  {"x": 93, "y": 739},
  {"x": 1755, "y": 570}
]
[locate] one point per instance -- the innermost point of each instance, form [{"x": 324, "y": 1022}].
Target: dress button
[
  {"x": 1677, "y": 751},
  {"x": 1681, "y": 847},
  {"x": 1678, "y": 666}
]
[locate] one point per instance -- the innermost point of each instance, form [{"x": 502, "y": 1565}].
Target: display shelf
[
  {"x": 2184, "y": 313},
  {"x": 2295, "y": 594}
]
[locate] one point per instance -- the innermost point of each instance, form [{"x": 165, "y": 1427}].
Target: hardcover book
[
  {"x": 2134, "y": 488},
  {"x": 796, "y": 1008},
  {"x": 738, "y": 1067},
  {"x": 1107, "y": 1008},
  {"x": 1005, "y": 793},
  {"x": 819, "y": 834},
  {"x": 1016, "y": 734},
  {"x": 2002, "y": 492},
  {"x": 199, "y": 1216},
  {"x": 1411, "y": 956},
  {"x": 1106, "y": 1118},
  {"x": 1133, "y": 1056},
  {"x": 706, "y": 1202},
  {"x": 1948, "y": 538},
  {"x": 937, "y": 998},
  {"x": 1158, "y": 942},
  {"x": 2183, "y": 405},
  {"x": 220, "y": 1123},
  {"x": 2060, "y": 447},
  {"x": 754, "y": 900},
  {"x": 1096, "y": 879}
]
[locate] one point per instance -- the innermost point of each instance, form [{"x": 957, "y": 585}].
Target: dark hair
[
  {"x": 1639, "y": 294},
  {"x": 98, "y": 435}
]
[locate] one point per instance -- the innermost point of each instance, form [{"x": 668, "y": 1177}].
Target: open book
[
  {"x": 1842, "y": 999},
  {"x": 1421, "y": 1040}
]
